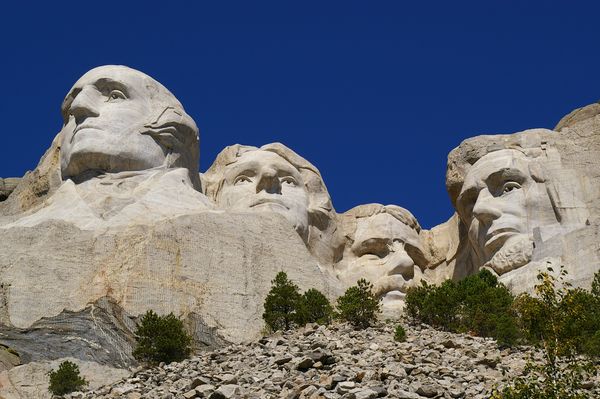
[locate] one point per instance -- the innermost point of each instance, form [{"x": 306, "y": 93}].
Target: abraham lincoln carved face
[{"x": 501, "y": 202}]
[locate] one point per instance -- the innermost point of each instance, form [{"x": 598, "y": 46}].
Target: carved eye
[
  {"x": 510, "y": 186},
  {"x": 376, "y": 253},
  {"x": 242, "y": 179},
  {"x": 289, "y": 180},
  {"x": 116, "y": 95},
  {"x": 373, "y": 249}
]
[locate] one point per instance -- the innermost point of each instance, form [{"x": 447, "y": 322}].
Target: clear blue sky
[{"x": 374, "y": 93}]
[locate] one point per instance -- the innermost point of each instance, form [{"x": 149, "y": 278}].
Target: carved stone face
[
  {"x": 384, "y": 252},
  {"x": 104, "y": 115},
  {"x": 262, "y": 181},
  {"x": 501, "y": 204}
]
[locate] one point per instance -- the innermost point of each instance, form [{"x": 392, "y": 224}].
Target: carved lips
[
  {"x": 268, "y": 202},
  {"x": 80, "y": 128}
]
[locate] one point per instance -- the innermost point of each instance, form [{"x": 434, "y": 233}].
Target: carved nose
[
  {"x": 484, "y": 210},
  {"x": 401, "y": 263},
  {"x": 84, "y": 105},
  {"x": 269, "y": 182}
]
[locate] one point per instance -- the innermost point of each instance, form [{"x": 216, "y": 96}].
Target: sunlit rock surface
[{"x": 116, "y": 220}]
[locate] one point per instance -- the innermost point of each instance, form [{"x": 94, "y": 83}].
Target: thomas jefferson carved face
[
  {"x": 104, "y": 117},
  {"x": 262, "y": 181},
  {"x": 386, "y": 252},
  {"x": 501, "y": 203}
]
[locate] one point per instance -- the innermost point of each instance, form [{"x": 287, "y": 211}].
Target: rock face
[
  {"x": 384, "y": 247},
  {"x": 7, "y": 186},
  {"x": 217, "y": 266},
  {"x": 529, "y": 200},
  {"x": 30, "y": 381},
  {"x": 116, "y": 220},
  {"x": 113, "y": 222}
]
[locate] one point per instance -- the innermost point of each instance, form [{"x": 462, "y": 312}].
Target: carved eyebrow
[
  {"x": 237, "y": 169},
  {"x": 505, "y": 174},
  {"x": 104, "y": 84}
]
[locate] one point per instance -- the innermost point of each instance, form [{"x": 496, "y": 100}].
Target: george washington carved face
[{"x": 119, "y": 119}]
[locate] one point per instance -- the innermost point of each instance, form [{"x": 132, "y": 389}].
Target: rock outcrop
[
  {"x": 529, "y": 200},
  {"x": 116, "y": 220}
]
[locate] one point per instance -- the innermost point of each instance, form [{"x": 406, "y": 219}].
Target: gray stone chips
[{"x": 335, "y": 362}]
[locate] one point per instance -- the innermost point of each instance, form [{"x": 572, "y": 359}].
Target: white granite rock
[
  {"x": 383, "y": 246},
  {"x": 30, "y": 381},
  {"x": 529, "y": 200},
  {"x": 273, "y": 178}
]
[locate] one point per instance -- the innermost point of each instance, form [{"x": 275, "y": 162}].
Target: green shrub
[
  {"x": 477, "y": 304},
  {"x": 434, "y": 305},
  {"x": 358, "y": 305},
  {"x": 551, "y": 319},
  {"x": 314, "y": 307},
  {"x": 161, "y": 339},
  {"x": 281, "y": 304},
  {"x": 66, "y": 379},
  {"x": 596, "y": 285},
  {"x": 486, "y": 308},
  {"x": 399, "y": 334}
]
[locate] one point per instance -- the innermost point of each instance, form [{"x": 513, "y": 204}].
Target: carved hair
[
  {"x": 368, "y": 210},
  {"x": 176, "y": 132}
]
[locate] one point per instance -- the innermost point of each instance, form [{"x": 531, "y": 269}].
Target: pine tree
[
  {"x": 358, "y": 305},
  {"x": 161, "y": 339},
  {"x": 281, "y": 304}
]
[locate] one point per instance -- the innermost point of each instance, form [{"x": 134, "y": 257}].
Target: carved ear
[
  {"x": 319, "y": 207},
  {"x": 172, "y": 128},
  {"x": 165, "y": 136},
  {"x": 537, "y": 172}
]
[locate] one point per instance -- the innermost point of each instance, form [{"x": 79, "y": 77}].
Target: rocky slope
[{"x": 335, "y": 362}]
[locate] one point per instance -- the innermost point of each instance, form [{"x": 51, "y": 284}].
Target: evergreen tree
[
  {"x": 66, "y": 379},
  {"x": 281, "y": 304},
  {"x": 314, "y": 307},
  {"x": 161, "y": 339},
  {"x": 358, "y": 305}
]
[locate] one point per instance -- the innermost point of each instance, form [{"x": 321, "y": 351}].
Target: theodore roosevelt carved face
[
  {"x": 502, "y": 201},
  {"x": 385, "y": 250},
  {"x": 119, "y": 119}
]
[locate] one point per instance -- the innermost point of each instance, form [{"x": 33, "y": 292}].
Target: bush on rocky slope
[
  {"x": 66, "y": 379},
  {"x": 281, "y": 304},
  {"x": 314, "y": 307},
  {"x": 161, "y": 339},
  {"x": 359, "y": 306},
  {"x": 478, "y": 304},
  {"x": 559, "y": 320}
]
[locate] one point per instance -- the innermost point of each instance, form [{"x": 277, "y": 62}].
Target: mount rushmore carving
[{"x": 117, "y": 212}]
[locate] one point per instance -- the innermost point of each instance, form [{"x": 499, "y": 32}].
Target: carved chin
[{"x": 514, "y": 253}]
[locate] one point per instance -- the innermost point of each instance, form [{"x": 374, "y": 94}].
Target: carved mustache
[{"x": 386, "y": 284}]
